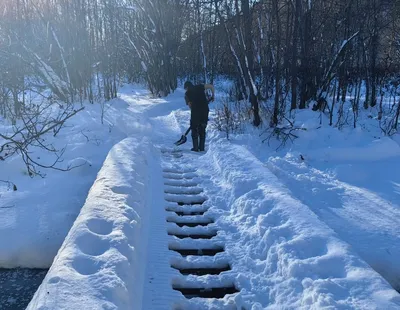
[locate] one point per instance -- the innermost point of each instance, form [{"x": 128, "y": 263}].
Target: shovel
[{"x": 183, "y": 138}]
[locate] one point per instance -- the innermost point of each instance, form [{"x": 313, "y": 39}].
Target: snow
[
  {"x": 311, "y": 233},
  {"x": 104, "y": 249},
  {"x": 35, "y": 219},
  {"x": 293, "y": 259},
  {"x": 144, "y": 66},
  {"x": 353, "y": 188},
  {"x": 324, "y": 143}
]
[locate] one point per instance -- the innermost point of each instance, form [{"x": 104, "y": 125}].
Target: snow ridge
[
  {"x": 100, "y": 264},
  {"x": 283, "y": 255}
]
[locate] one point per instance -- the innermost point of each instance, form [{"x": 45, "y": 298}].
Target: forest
[{"x": 283, "y": 55}]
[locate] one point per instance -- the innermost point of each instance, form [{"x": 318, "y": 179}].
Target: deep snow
[
  {"x": 298, "y": 233},
  {"x": 106, "y": 245},
  {"x": 351, "y": 181},
  {"x": 35, "y": 219}
]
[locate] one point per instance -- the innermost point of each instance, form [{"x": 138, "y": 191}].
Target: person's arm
[
  {"x": 210, "y": 87},
  {"x": 188, "y": 103}
]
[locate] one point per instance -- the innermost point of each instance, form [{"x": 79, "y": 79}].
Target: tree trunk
[
  {"x": 294, "y": 55},
  {"x": 274, "y": 120},
  {"x": 249, "y": 61},
  {"x": 305, "y": 60}
]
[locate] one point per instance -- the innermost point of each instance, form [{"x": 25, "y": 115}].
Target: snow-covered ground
[
  {"x": 106, "y": 245},
  {"x": 35, "y": 219},
  {"x": 308, "y": 233},
  {"x": 350, "y": 180}
]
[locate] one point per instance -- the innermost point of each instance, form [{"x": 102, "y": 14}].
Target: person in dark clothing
[{"x": 196, "y": 99}]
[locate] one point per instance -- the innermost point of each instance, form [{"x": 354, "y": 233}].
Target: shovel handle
[{"x": 187, "y": 131}]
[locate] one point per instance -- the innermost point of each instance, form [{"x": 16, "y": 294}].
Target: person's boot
[
  {"x": 202, "y": 143},
  {"x": 195, "y": 144}
]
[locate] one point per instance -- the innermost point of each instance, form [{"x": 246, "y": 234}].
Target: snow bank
[
  {"x": 379, "y": 149},
  {"x": 325, "y": 143},
  {"x": 35, "y": 219},
  {"x": 284, "y": 256},
  {"x": 350, "y": 179},
  {"x": 101, "y": 262}
]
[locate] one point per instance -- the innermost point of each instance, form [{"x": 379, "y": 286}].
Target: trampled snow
[
  {"x": 284, "y": 255},
  {"x": 298, "y": 234}
]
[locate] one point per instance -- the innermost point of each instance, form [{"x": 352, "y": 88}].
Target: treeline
[
  {"x": 81, "y": 49},
  {"x": 292, "y": 52},
  {"x": 54, "y": 53}
]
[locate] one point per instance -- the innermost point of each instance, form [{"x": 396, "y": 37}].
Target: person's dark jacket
[{"x": 196, "y": 96}]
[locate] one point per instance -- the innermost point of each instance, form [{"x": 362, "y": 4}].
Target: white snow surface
[
  {"x": 284, "y": 256},
  {"x": 35, "y": 219},
  {"x": 298, "y": 234},
  {"x": 97, "y": 265}
]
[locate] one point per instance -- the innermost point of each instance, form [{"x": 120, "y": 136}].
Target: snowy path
[{"x": 197, "y": 266}]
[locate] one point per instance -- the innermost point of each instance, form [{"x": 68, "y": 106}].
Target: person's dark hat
[{"x": 187, "y": 85}]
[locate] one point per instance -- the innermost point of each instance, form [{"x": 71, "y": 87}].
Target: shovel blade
[{"x": 182, "y": 140}]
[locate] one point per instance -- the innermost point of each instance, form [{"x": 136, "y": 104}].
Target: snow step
[
  {"x": 181, "y": 183},
  {"x": 207, "y": 235},
  {"x": 198, "y": 252},
  {"x": 183, "y": 213},
  {"x": 174, "y": 153},
  {"x": 217, "y": 292},
  {"x": 165, "y": 150},
  {"x": 190, "y": 218},
  {"x": 177, "y": 170},
  {"x": 176, "y": 190},
  {"x": 180, "y": 203},
  {"x": 173, "y": 206},
  {"x": 194, "y": 243},
  {"x": 202, "y": 271},
  {"x": 184, "y": 199},
  {"x": 190, "y": 224},
  {"x": 199, "y": 263},
  {"x": 179, "y": 176}
]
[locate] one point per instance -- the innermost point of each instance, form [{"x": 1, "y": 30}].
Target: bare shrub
[
  {"x": 231, "y": 116},
  {"x": 34, "y": 122}
]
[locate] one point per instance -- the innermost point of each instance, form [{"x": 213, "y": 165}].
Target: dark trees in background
[
  {"x": 302, "y": 51},
  {"x": 153, "y": 33},
  {"x": 82, "y": 49},
  {"x": 289, "y": 52},
  {"x": 241, "y": 47}
]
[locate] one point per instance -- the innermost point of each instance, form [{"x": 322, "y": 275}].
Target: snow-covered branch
[{"x": 31, "y": 132}]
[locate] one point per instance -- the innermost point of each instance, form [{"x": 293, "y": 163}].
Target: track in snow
[{"x": 192, "y": 236}]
